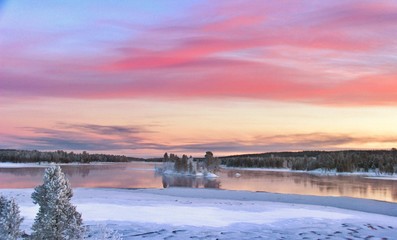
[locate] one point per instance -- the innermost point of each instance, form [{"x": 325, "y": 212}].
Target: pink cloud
[
  {"x": 189, "y": 50},
  {"x": 370, "y": 90},
  {"x": 205, "y": 56},
  {"x": 344, "y": 27},
  {"x": 255, "y": 81}
]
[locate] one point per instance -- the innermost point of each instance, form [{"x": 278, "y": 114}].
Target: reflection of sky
[
  {"x": 194, "y": 76},
  {"x": 301, "y": 183},
  {"x": 142, "y": 175}
]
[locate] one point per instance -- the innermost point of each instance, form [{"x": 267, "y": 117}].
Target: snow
[
  {"x": 392, "y": 178},
  {"x": 202, "y": 216},
  {"x": 210, "y": 175},
  {"x": 369, "y": 174},
  {"x": 182, "y": 213}
]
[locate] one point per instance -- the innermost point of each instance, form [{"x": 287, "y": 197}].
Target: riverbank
[
  {"x": 370, "y": 174},
  {"x": 209, "y": 214}
]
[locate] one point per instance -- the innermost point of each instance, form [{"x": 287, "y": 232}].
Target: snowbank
[
  {"x": 392, "y": 178},
  {"x": 209, "y": 214}
]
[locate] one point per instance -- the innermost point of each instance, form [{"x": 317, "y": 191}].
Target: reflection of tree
[
  {"x": 394, "y": 192},
  {"x": 32, "y": 172},
  {"x": 250, "y": 174},
  {"x": 188, "y": 181},
  {"x": 212, "y": 183},
  {"x": 84, "y": 170},
  {"x": 69, "y": 170}
]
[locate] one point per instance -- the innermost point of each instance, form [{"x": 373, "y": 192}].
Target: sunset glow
[{"x": 142, "y": 78}]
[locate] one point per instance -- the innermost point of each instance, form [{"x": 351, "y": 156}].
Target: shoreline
[
  {"x": 348, "y": 203},
  {"x": 319, "y": 172},
  {"x": 369, "y": 174}
]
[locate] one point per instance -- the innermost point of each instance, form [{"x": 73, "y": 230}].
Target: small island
[{"x": 188, "y": 166}]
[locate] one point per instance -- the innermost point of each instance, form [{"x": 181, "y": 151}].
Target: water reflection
[
  {"x": 142, "y": 175},
  {"x": 304, "y": 183},
  {"x": 188, "y": 181}
]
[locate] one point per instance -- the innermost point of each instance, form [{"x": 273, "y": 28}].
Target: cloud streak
[{"x": 75, "y": 137}]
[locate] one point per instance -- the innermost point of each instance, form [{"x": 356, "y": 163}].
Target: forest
[
  {"x": 32, "y": 156},
  {"x": 381, "y": 161}
]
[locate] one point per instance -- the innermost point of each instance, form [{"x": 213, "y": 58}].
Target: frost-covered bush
[
  {"x": 10, "y": 219},
  {"x": 57, "y": 218},
  {"x": 106, "y": 233}
]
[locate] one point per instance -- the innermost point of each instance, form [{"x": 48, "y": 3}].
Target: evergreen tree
[
  {"x": 10, "y": 219},
  {"x": 57, "y": 218},
  {"x": 166, "y": 158},
  {"x": 184, "y": 165},
  {"x": 211, "y": 163},
  {"x": 191, "y": 170}
]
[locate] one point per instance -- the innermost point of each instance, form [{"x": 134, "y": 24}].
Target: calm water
[{"x": 142, "y": 175}]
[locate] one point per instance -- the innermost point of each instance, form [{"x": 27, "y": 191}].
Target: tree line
[
  {"x": 31, "y": 156},
  {"x": 382, "y": 161}
]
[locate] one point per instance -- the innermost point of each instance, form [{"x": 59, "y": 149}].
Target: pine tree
[
  {"x": 211, "y": 163},
  {"x": 57, "y": 218},
  {"x": 166, "y": 158},
  {"x": 10, "y": 219}
]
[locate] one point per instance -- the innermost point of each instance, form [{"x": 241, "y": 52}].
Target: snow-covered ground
[
  {"x": 392, "y": 178},
  {"x": 369, "y": 174},
  {"x": 181, "y": 213}
]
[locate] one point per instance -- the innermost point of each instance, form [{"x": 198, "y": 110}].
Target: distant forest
[
  {"x": 381, "y": 161},
  {"x": 27, "y": 156}
]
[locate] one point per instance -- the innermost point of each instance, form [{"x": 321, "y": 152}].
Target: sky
[{"x": 141, "y": 78}]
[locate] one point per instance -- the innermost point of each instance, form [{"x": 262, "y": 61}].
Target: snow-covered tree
[
  {"x": 57, "y": 218},
  {"x": 10, "y": 219},
  {"x": 3, "y": 202}
]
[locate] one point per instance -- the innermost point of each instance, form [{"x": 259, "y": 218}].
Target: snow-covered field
[{"x": 181, "y": 213}]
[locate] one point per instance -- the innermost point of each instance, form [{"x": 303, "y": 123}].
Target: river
[{"x": 142, "y": 175}]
